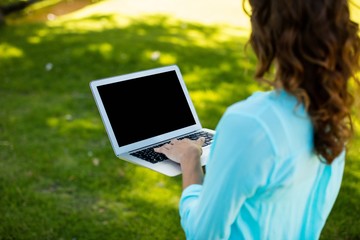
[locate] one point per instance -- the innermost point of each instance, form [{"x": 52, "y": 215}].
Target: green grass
[{"x": 59, "y": 178}]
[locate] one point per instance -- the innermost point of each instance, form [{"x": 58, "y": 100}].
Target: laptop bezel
[{"x": 153, "y": 140}]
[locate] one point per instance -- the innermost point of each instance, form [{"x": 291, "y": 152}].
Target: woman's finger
[{"x": 200, "y": 140}]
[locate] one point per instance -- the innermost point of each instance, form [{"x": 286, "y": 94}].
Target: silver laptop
[{"x": 145, "y": 109}]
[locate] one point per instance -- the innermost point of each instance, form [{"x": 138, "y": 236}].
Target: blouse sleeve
[{"x": 239, "y": 166}]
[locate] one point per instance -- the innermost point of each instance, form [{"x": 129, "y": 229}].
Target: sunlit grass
[
  {"x": 9, "y": 51},
  {"x": 355, "y": 10}
]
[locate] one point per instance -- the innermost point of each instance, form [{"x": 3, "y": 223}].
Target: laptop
[{"x": 146, "y": 109}]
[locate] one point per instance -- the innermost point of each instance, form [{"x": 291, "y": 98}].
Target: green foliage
[{"x": 59, "y": 178}]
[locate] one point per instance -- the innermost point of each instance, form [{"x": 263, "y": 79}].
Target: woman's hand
[
  {"x": 183, "y": 150},
  {"x": 187, "y": 153}
]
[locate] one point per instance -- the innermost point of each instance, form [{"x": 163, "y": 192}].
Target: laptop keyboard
[{"x": 151, "y": 156}]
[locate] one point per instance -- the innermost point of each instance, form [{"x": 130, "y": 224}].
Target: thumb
[{"x": 200, "y": 141}]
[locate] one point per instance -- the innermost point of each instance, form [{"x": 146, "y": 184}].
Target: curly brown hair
[{"x": 315, "y": 48}]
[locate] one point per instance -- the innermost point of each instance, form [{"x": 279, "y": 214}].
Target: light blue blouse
[{"x": 263, "y": 180}]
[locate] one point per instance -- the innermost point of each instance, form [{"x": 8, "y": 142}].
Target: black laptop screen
[{"x": 145, "y": 107}]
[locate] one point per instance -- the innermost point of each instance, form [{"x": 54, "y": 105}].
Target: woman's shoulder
[
  {"x": 280, "y": 115},
  {"x": 278, "y": 102},
  {"x": 253, "y": 104}
]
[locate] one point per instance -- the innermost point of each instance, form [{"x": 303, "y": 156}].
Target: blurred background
[{"x": 59, "y": 178}]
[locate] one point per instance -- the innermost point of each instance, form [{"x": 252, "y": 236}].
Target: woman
[{"x": 277, "y": 160}]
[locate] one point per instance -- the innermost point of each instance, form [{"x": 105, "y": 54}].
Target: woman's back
[
  {"x": 300, "y": 190},
  {"x": 263, "y": 171}
]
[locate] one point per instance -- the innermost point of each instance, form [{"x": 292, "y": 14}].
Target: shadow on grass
[{"x": 74, "y": 54}]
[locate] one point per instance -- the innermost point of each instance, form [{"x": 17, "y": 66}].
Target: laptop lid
[{"x": 144, "y": 108}]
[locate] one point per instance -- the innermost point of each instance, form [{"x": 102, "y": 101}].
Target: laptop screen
[{"x": 145, "y": 107}]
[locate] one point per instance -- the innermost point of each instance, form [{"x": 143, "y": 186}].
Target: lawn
[{"x": 59, "y": 178}]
